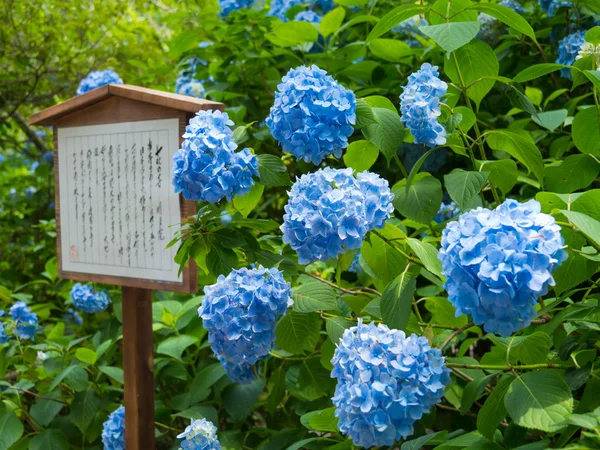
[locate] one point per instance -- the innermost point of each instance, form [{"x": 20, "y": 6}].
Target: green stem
[
  {"x": 507, "y": 367},
  {"x": 400, "y": 165},
  {"x": 391, "y": 244},
  {"x": 299, "y": 358}
]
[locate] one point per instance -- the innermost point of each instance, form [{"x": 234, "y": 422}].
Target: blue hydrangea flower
[
  {"x": 200, "y": 435},
  {"x": 497, "y": 263},
  {"x": 568, "y": 49},
  {"x": 279, "y": 8},
  {"x": 87, "y": 300},
  {"x": 2, "y": 158},
  {"x": 386, "y": 381},
  {"x": 410, "y": 29},
  {"x": 308, "y": 16},
  {"x": 420, "y": 106},
  {"x": 551, "y": 6},
  {"x": 113, "y": 430},
  {"x": 330, "y": 212},
  {"x": 34, "y": 166},
  {"x": 490, "y": 28},
  {"x": 190, "y": 87},
  {"x": 446, "y": 212},
  {"x": 30, "y": 191},
  {"x": 3, "y": 336},
  {"x": 313, "y": 115},
  {"x": 207, "y": 168},
  {"x": 48, "y": 158},
  {"x": 227, "y": 6},
  {"x": 240, "y": 312},
  {"x": 73, "y": 316},
  {"x": 98, "y": 78},
  {"x": 26, "y": 322},
  {"x": 355, "y": 266}
]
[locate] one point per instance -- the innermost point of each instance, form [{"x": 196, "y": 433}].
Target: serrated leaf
[
  {"x": 529, "y": 349},
  {"x": 522, "y": 149},
  {"x": 427, "y": 253},
  {"x": 502, "y": 173},
  {"x": 391, "y": 50},
  {"x": 86, "y": 355},
  {"x": 575, "y": 172},
  {"x": 52, "y": 439},
  {"x": 239, "y": 399},
  {"x": 493, "y": 410},
  {"x": 11, "y": 429},
  {"x": 588, "y": 226},
  {"x": 246, "y": 203},
  {"x": 323, "y": 420},
  {"x": 463, "y": 186},
  {"x": 383, "y": 260},
  {"x": 221, "y": 260},
  {"x": 536, "y": 71},
  {"x": 396, "y": 300},
  {"x": 423, "y": 199},
  {"x": 472, "y": 391},
  {"x": 539, "y": 400},
  {"x": 361, "y": 155},
  {"x": 332, "y": 21},
  {"x": 45, "y": 409},
  {"x": 272, "y": 170},
  {"x": 551, "y": 120},
  {"x": 419, "y": 443},
  {"x": 387, "y": 133},
  {"x": 116, "y": 373},
  {"x": 507, "y": 16},
  {"x": 586, "y": 131},
  {"x": 176, "y": 345},
  {"x": 335, "y": 327},
  {"x": 393, "y": 18},
  {"x": 84, "y": 408},
  {"x": 298, "y": 332},
  {"x": 451, "y": 35},
  {"x": 313, "y": 295}
]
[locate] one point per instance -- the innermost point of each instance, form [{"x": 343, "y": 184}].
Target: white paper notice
[{"x": 116, "y": 199}]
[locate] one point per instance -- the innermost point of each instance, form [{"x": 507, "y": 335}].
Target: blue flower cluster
[
  {"x": 98, "y": 78},
  {"x": 279, "y": 8},
  {"x": 446, "y": 212},
  {"x": 26, "y": 322},
  {"x": 3, "y": 336},
  {"x": 313, "y": 115},
  {"x": 87, "y": 300},
  {"x": 73, "y": 316},
  {"x": 240, "y": 312},
  {"x": 568, "y": 49},
  {"x": 330, "y": 212},
  {"x": 48, "y": 158},
  {"x": 490, "y": 28},
  {"x": 497, "y": 263},
  {"x": 189, "y": 87},
  {"x": 386, "y": 381},
  {"x": 410, "y": 29},
  {"x": 201, "y": 434},
  {"x": 207, "y": 168},
  {"x": 308, "y": 16},
  {"x": 227, "y": 6},
  {"x": 420, "y": 106},
  {"x": 551, "y": 6},
  {"x": 113, "y": 430},
  {"x": 30, "y": 191},
  {"x": 355, "y": 266}
]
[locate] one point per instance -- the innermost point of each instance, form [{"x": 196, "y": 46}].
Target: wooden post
[{"x": 138, "y": 362}]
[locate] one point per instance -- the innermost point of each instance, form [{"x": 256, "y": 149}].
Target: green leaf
[
  {"x": 572, "y": 272},
  {"x": 586, "y": 131},
  {"x": 364, "y": 114},
  {"x": 45, "y": 409},
  {"x": 116, "y": 373},
  {"x": 551, "y": 120},
  {"x": 86, "y": 355},
  {"x": 493, "y": 410},
  {"x": 62, "y": 375},
  {"x": 378, "y": 101},
  {"x": 396, "y": 300},
  {"x": 536, "y": 71},
  {"x": 298, "y": 332},
  {"x": 575, "y": 172},
  {"x": 176, "y": 345},
  {"x": 443, "y": 313},
  {"x": 463, "y": 186},
  {"x": 422, "y": 201},
  {"x": 323, "y": 420},
  {"x": 507, "y": 16},
  {"x": 361, "y": 155},
  {"x": 332, "y": 21},
  {"x": 390, "y": 50},
  {"x": 84, "y": 408},
  {"x": 520, "y": 100},
  {"x": 312, "y": 295},
  {"x": 588, "y": 226},
  {"x": 239, "y": 399},
  {"x": 335, "y": 327},
  {"x": 427, "y": 253},
  {"x": 314, "y": 381},
  {"x": 594, "y": 77},
  {"x": 387, "y": 133},
  {"x": 503, "y": 173},
  {"x": 540, "y": 400},
  {"x": 530, "y": 349},
  {"x": 471, "y": 63},
  {"x": 472, "y": 392},
  {"x": 272, "y": 170},
  {"x": 246, "y": 203},
  {"x": 451, "y": 35},
  {"x": 393, "y": 18},
  {"x": 221, "y": 260},
  {"x": 419, "y": 443},
  {"x": 289, "y": 34},
  {"x": 384, "y": 261},
  {"x": 52, "y": 439},
  {"x": 11, "y": 430},
  {"x": 519, "y": 147},
  {"x": 593, "y": 35}
]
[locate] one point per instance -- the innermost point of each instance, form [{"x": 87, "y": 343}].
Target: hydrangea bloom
[
  {"x": 190, "y": 87},
  {"x": 420, "y": 106},
  {"x": 490, "y": 27},
  {"x": 98, "y": 78},
  {"x": 227, "y": 6},
  {"x": 551, "y": 6},
  {"x": 313, "y": 115},
  {"x": 386, "y": 381},
  {"x": 48, "y": 157},
  {"x": 279, "y": 8},
  {"x": 200, "y": 435},
  {"x": 240, "y": 312},
  {"x": 26, "y": 322},
  {"x": 207, "y": 168},
  {"x": 498, "y": 263},
  {"x": 73, "y": 316},
  {"x": 568, "y": 49},
  {"x": 30, "y": 191},
  {"x": 308, "y": 16},
  {"x": 410, "y": 28},
  {"x": 3, "y": 336},
  {"x": 355, "y": 266},
  {"x": 86, "y": 299},
  {"x": 330, "y": 211},
  {"x": 113, "y": 430},
  {"x": 446, "y": 212}
]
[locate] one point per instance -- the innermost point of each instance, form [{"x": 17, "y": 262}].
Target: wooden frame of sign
[{"x": 116, "y": 211}]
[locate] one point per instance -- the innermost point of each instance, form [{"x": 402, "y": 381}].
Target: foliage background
[{"x": 540, "y": 140}]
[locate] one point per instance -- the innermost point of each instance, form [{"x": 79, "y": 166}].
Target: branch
[
  {"x": 33, "y": 137},
  {"x": 456, "y": 333},
  {"x": 508, "y": 367}
]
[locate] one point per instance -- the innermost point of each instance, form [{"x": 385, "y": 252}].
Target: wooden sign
[{"x": 116, "y": 211}]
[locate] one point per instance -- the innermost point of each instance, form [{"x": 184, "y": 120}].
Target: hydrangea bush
[{"x": 396, "y": 233}]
